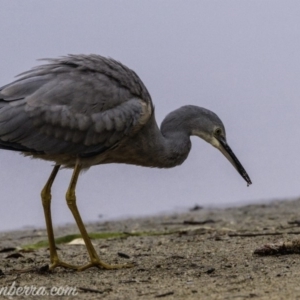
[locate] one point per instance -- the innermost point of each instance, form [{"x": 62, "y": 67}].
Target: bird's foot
[
  {"x": 101, "y": 265},
  {"x": 58, "y": 263}
]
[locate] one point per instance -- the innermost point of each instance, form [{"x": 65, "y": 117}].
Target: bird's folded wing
[{"x": 68, "y": 113}]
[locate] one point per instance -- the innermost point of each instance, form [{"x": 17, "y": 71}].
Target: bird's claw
[{"x": 58, "y": 263}]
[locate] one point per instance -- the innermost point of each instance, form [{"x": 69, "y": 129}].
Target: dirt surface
[{"x": 203, "y": 254}]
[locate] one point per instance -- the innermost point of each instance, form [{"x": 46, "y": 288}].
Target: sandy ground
[{"x": 202, "y": 254}]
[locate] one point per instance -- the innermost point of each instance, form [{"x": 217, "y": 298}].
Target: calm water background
[{"x": 237, "y": 58}]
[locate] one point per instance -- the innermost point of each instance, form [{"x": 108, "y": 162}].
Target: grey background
[{"x": 237, "y": 58}]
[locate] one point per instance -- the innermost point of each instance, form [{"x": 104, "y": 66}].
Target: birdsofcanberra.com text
[{"x": 32, "y": 290}]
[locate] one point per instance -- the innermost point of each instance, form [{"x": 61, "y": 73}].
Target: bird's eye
[{"x": 218, "y": 131}]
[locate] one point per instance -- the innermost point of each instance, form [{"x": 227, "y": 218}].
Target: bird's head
[
  {"x": 208, "y": 126},
  {"x": 201, "y": 122}
]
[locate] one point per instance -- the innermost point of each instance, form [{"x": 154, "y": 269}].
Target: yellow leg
[
  {"x": 71, "y": 201},
  {"x": 46, "y": 200}
]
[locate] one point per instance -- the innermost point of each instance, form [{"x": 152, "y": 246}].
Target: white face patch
[
  {"x": 208, "y": 138},
  {"x": 214, "y": 142}
]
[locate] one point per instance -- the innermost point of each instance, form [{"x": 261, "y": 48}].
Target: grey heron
[{"x": 84, "y": 110}]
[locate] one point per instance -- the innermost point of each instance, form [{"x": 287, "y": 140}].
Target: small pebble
[
  {"x": 210, "y": 270},
  {"x": 123, "y": 255}
]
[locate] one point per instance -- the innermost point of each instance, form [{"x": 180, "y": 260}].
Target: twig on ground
[
  {"x": 250, "y": 234},
  {"x": 84, "y": 289},
  {"x": 164, "y": 295},
  {"x": 281, "y": 248},
  {"x": 191, "y": 222}
]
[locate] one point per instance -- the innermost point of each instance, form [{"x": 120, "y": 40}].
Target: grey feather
[
  {"x": 97, "y": 110},
  {"x": 78, "y": 100}
]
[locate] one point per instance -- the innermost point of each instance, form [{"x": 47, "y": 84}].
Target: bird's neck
[
  {"x": 165, "y": 148},
  {"x": 175, "y": 150}
]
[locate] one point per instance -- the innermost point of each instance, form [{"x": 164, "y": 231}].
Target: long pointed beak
[{"x": 226, "y": 150}]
